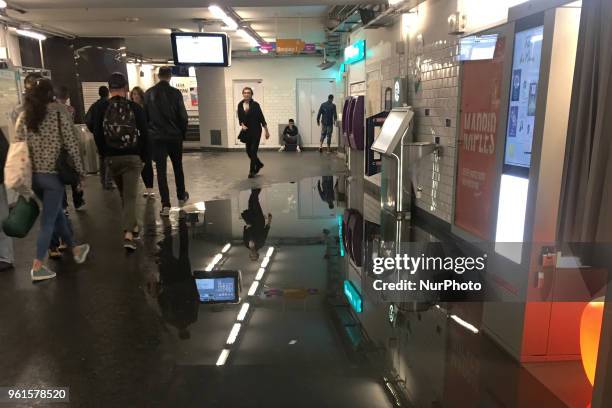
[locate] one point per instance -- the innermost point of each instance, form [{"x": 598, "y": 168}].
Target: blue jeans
[
  {"x": 326, "y": 132},
  {"x": 50, "y": 190}
]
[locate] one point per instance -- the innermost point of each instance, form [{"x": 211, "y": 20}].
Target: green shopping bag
[{"x": 21, "y": 218}]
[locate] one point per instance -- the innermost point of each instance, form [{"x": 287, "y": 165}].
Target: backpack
[{"x": 120, "y": 130}]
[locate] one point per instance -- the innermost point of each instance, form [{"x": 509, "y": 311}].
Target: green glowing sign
[
  {"x": 354, "y": 52},
  {"x": 353, "y": 296}
]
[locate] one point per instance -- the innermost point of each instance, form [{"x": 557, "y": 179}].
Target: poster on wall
[
  {"x": 523, "y": 97},
  {"x": 478, "y": 142},
  {"x": 189, "y": 88}
]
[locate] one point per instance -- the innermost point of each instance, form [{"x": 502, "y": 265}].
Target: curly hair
[{"x": 36, "y": 100}]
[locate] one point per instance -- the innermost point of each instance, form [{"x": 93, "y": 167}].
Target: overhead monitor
[
  {"x": 477, "y": 47},
  {"x": 395, "y": 126},
  {"x": 218, "y": 286},
  {"x": 201, "y": 49},
  {"x": 523, "y": 100}
]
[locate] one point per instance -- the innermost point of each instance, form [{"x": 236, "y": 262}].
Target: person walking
[
  {"x": 137, "y": 95},
  {"x": 62, "y": 96},
  {"x": 121, "y": 137},
  {"x": 326, "y": 118},
  {"x": 167, "y": 120},
  {"x": 47, "y": 128},
  {"x": 252, "y": 120},
  {"x": 105, "y": 177}
]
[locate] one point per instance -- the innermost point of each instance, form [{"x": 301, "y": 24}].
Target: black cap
[{"x": 117, "y": 81}]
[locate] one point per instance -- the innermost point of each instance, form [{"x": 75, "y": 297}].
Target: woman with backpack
[{"x": 47, "y": 129}]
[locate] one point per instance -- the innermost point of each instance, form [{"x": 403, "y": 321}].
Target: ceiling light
[
  {"x": 31, "y": 34},
  {"x": 226, "y": 248},
  {"x": 220, "y": 14},
  {"x": 270, "y": 252},
  {"x": 265, "y": 262},
  {"x": 2, "y": 4},
  {"x": 243, "y": 312},
  {"x": 465, "y": 324},
  {"x": 253, "y": 42},
  {"x": 260, "y": 274},
  {"x": 253, "y": 288},
  {"x": 223, "y": 357},
  {"x": 395, "y": 2}
]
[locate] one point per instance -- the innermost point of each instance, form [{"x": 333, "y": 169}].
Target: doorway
[
  {"x": 311, "y": 93},
  {"x": 258, "y": 95}
]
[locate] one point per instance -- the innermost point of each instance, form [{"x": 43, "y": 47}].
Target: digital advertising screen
[
  {"x": 523, "y": 96},
  {"x": 201, "y": 49}
]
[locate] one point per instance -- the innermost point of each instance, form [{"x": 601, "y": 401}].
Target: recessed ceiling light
[{"x": 132, "y": 19}]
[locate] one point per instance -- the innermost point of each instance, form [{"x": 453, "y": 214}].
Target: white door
[
  {"x": 258, "y": 95},
  {"x": 311, "y": 94}
]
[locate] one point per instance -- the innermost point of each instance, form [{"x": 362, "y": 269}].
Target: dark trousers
[
  {"x": 252, "y": 146},
  {"x": 162, "y": 150},
  {"x": 147, "y": 173}
]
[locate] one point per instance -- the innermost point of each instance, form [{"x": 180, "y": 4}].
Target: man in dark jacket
[
  {"x": 120, "y": 131},
  {"x": 94, "y": 110},
  {"x": 167, "y": 118},
  {"x": 326, "y": 118}
]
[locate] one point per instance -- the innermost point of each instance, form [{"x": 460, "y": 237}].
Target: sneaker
[
  {"x": 298, "y": 149},
  {"x": 184, "y": 200},
  {"x": 55, "y": 253},
  {"x": 62, "y": 245},
  {"x": 165, "y": 212},
  {"x": 43, "y": 273},
  {"x": 80, "y": 253},
  {"x": 129, "y": 244},
  {"x": 282, "y": 149}
]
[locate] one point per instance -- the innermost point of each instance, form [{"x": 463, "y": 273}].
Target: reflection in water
[
  {"x": 173, "y": 285},
  {"x": 256, "y": 229},
  {"x": 325, "y": 186}
]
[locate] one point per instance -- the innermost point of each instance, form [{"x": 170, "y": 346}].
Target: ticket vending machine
[{"x": 536, "y": 294}]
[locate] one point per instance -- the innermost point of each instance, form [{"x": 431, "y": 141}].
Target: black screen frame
[
  {"x": 226, "y": 46},
  {"x": 526, "y": 23},
  {"x": 236, "y": 275}
]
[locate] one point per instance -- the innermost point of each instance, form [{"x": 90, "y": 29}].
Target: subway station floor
[{"x": 127, "y": 330}]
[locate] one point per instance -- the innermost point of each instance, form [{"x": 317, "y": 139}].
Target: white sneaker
[
  {"x": 43, "y": 273},
  {"x": 299, "y": 150},
  {"x": 282, "y": 149},
  {"x": 80, "y": 253}
]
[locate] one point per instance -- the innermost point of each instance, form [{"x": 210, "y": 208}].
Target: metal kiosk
[{"x": 400, "y": 155}]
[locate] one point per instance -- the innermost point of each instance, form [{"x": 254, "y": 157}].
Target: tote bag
[
  {"x": 18, "y": 168},
  {"x": 21, "y": 218}
]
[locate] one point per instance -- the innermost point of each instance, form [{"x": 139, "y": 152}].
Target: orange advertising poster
[
  {"x": 478, "y": 143},
  {"x": 289, "y": 46}
]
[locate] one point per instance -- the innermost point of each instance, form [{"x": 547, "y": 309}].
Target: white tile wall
[{"x": 436, "y": 101}]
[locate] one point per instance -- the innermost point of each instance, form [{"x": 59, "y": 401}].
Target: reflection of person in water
[
  {"x": 326, "y": 190},
  {"x": 256, "y": 229},
  {"x": 178, "y": 295}
]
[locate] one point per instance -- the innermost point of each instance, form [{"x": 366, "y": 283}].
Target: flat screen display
[
  {"x": 218, "y": 286},
  {"x": 477, "y": 47},
  {"x": 201, "y": 49},
  {"x": 392, "y": 130},
  {"x": 523, "y": 96}
]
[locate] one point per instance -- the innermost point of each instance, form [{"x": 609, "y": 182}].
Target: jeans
[
  {"x": 50, "y": 190},
  {"x": 252, "y": 145},
  {"x": 292, "y": 140},
  {"x": 162, "y": 149},
  {"x": 326, "y": 132},
  {"x": 6, "y": 243},
  {"x": 126, "y": 171}
]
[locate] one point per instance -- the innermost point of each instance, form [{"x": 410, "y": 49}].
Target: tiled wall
[{"x": 434, "y": 92}]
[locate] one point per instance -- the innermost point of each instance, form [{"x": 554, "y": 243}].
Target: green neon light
[
  {"x": 340, "y": 235},
  {"x": 353, "y": 296},
  {"x": 354, "y": 52}
]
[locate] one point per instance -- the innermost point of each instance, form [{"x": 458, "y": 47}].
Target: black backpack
[{"x": 120, "y": 130}]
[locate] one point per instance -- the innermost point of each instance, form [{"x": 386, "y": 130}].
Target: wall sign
[
  {"x": 478, "y": 141},
  {"x": 354, "y": 52},
  {"x": 353, "y": 296}
]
